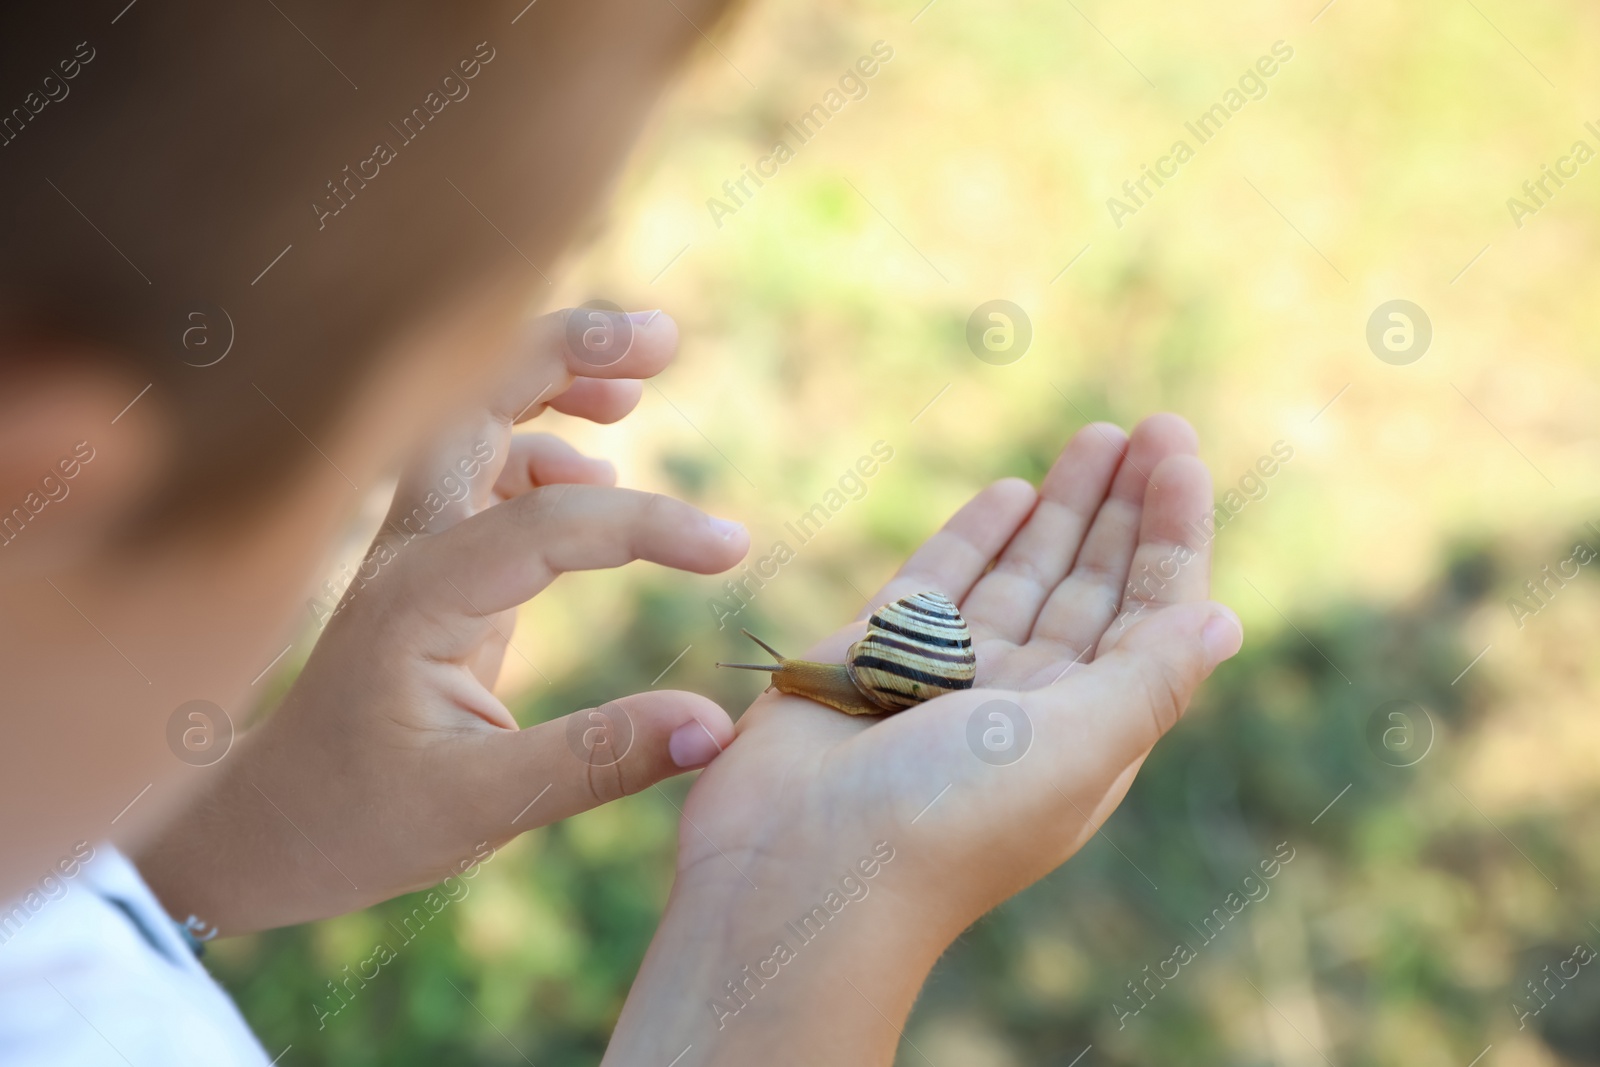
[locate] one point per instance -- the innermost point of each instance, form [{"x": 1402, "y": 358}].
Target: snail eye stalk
[
  {"x": 778, "y": 666},
  {"x": 915, "y": 649}
]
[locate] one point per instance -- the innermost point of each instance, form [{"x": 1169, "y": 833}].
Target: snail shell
[{"x": 915, "y": 649}]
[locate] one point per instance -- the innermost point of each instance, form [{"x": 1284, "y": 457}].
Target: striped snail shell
[{"x": 915, "y": 649}]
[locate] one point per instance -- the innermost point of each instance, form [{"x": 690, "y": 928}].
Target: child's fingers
[
  {"x": 1172, "y": 564},
  {"x": 569, "y": 765},
  {"x": 617, "y": 344},
  {"x": 537, "y": 459},
  {"x": 602, "y": 400},
  {"x": 582, "y": 366},
  {"x": 1077, "y": 613},
  {"x": 504, "y": 556},
  {"x": 1119, "y": 706},
  {"x": 1008, "y": 598},
  {"x": 566, "y": 345},
  {"x": 960, "y": 552}
]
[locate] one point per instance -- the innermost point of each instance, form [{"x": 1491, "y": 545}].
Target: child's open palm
[{"x": 1088, "y": 610}]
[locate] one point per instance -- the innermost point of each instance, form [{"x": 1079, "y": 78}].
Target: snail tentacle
[
  {"x": 915, "y": 649},
  {"x": 778, "y": 666}
]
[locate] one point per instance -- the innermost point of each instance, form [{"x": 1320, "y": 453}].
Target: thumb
[
  {"x": 1134, "y": 693},
  {"x": 580, "y": 761}
]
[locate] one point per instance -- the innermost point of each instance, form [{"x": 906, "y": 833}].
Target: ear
[{"x": 79, "y": 448}]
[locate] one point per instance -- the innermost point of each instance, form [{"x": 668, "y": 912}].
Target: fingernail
[
  {"x": 643, "y": 318},
  {"x": 691, "y": 745},
  {"x": 725, "y": 528},
  {"x": 1222, "y": 637}
]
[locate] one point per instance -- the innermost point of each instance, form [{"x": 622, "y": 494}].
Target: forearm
[{"x": 737, "y": 975}]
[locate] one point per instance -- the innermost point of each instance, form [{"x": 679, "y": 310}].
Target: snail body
[{"x": 915, "y": 649}]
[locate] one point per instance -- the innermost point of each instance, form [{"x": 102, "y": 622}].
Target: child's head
[{"x": 251, "y": 256}]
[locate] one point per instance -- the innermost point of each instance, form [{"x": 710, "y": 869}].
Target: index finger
[
  {"x": 505, "y": 555},
  {"x": 583, "y": 343}
]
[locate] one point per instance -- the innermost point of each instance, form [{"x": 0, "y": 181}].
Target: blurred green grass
[{"x": 831, "y": 309}]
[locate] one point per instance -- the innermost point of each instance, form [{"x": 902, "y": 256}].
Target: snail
[{"x": 915, "y": 649}]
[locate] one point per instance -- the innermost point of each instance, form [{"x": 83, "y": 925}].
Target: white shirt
[{"x": 101, "y": 976}]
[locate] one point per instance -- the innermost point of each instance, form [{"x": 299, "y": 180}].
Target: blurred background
[{"x": 1406, "y": 720}]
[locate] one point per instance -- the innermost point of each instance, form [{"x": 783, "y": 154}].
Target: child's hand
[
  {"x": 1092, "y": 632},
  {"x": 391, "y": 764}
]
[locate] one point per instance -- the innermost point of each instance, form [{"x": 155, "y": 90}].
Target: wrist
[
  {"x": 193, "y": 864},
  {"x": 233, "y": 859},
  {"x": 743, "y": 972}
]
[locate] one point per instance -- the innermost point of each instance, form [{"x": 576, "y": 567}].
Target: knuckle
[
  {"x": 1166, "y": 693},
  {"x": 384, "y": 581},
  {"x": 656, "y": 509},
  {"x": 607, "y": 780},
  {"x": 603, "y": 741},
  {"x": 605, "y": 783},
  {"x": 541, "y": 504},
  {"x": 1027, "y": 570},
  {"x": 660, "y": 513},
  {"x": 1096, "y": 572}
]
